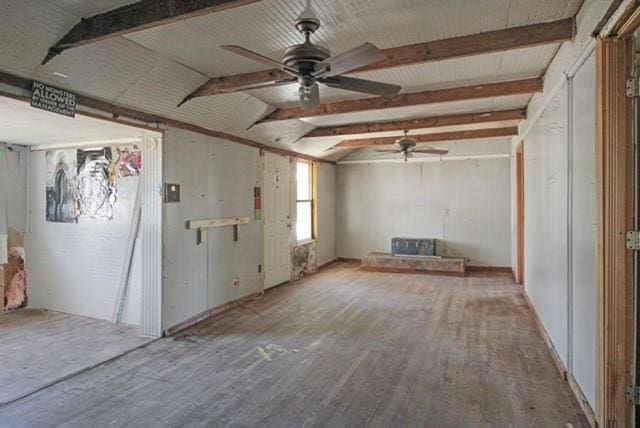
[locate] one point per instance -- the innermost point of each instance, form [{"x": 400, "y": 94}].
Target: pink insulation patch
[{"x": 15, "y": 291}]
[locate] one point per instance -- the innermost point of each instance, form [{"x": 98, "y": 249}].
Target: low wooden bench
[{"x": 385, "y": 262}]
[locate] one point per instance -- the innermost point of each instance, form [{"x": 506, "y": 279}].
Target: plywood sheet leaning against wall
[
  {"x": 13, "y": 281},
  {"x": 616, "y": 216}
]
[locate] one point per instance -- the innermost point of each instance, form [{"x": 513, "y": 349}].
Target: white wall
[
  {"x": 217, "y": 178},
  {"x": 13, "y": 192},
  {"x": 326, "y": 213},
  {"x": 584, "y": 230},
  {"x": 464, "y": 204},
  {"x": 75, "y": 268},
  {"x": 560, "y": 224},
  {"x": 545, "y": 165},
  {"x": 15, "y": 173}
]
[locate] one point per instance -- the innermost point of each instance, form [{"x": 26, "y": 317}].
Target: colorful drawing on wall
[
  {"x": 129, "y": 161},
  {"x": 96, "y": 183},
  {"x": 61, "y": 186}
]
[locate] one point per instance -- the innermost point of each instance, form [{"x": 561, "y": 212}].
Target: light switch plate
[{"x": 171, "y": 193}]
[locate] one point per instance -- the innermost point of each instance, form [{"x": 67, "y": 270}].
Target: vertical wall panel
[
  {"x": 216, "y": 179},
  {"x": 326, "y": 213},
  {"x": 545, "y": 153},
  {"x": 584, "y": 230},
  {"x": 151, "y": 228}
]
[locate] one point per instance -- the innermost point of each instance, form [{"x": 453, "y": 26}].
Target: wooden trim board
[
  {"x": 616, "y": 206},
  {"x": 436, "y": 50},
  {"x": 557, "y": 362},
  {"x": 219, "y": 310},
  {"x": 520, "y": 213},
  {"x": 459, "y": 93},
  {"x": 411, "y": 271},
  {"x": 217, "y": 222},
  {"x": 116, "y": 112},
  {"x": 494, "y": 269}
]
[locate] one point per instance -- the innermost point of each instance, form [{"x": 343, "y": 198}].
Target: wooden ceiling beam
[
  {"x": 147, "y": 120},
  {"x": 432, "y": 138},
  {"x": 425, "y": 122},
  {"x": 137, "y": 16},
  {"x": 437, "y": 50},
  {"x": 463, "y": 93}
]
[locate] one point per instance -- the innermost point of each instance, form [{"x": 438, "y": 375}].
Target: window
[{"x": 304, "y": 201}]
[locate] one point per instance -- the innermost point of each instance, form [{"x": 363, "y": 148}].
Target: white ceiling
[
  {"x": 153, "y": 70},
  {"x": 22, "y": 124}
]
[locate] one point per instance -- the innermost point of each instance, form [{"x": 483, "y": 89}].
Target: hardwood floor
[
  {"x": 344, "y": 347},
  {"x": 38, "y": 347}
]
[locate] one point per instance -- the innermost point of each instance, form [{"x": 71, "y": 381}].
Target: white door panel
[{"x": 277, "y": 219}]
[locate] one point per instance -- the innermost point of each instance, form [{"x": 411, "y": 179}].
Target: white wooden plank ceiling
[{"x": 152, "y": 70}]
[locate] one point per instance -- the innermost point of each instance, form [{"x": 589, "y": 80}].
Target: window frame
[{"x": 312, "y": 200}]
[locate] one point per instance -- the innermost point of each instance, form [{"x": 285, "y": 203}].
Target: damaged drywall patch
[
  {"x": 14, "y": 276},
  {"x": 303, "y": 260}
]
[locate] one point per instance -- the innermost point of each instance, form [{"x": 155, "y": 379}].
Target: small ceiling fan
[
  {"x": 310, "y": 64},
  {"x": 406, "y": 146}
]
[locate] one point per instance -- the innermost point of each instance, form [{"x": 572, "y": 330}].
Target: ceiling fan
[
  {"x": 310, "y": 64},
  {"x": 406, "y": 146}
]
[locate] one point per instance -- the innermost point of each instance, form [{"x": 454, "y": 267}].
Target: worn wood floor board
[
  {"x": 38, "y": 347},
  {"x": 344, "y": 347}
]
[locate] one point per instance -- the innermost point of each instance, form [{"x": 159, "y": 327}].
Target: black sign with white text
[{"x": 53, "y": 99}]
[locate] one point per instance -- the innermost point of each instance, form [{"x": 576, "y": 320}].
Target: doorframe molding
[
  {"x": 616, "y": 205},
  {"x": 520, "y": 213}
]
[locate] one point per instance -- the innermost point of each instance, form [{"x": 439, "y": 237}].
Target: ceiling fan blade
[
  {"x": 432, "y": 151},
  {"x": 361, "y": 85},
  {"x": 352, "y": 59},
  {"x": 266, "y": 85},
  {"x": 239, "y": 50},
  {"x": 310, "y": 99},
  {"x": 388, "y": 151}
]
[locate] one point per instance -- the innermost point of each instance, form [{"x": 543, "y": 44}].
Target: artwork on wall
[
  {"x": 61, "y": 186},
  {"x": 96, "y": 183},
  {"x": 82, "y": 183},
  {"x": 129, "y": 161}
]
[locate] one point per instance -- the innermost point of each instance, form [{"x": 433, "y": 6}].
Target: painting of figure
[
  {"x": 129, "y": 161},
  {"x": 61, "y": 186},
  {"x": 96, "y": 183}
]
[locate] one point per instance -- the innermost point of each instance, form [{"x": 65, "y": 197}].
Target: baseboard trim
[
  {"x": 219, "y": 310},
  {"x": 348, "y": 260},
  {"x": 326, "y": 265},
  {"x": 494, "y": 269},
  {"x": 411, "y": 271},
  {"x": 209, "y": 313},
  {"x": 564, "y": 373}
]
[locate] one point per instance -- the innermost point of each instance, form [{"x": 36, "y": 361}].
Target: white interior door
[{"x": 277, "y": 220}]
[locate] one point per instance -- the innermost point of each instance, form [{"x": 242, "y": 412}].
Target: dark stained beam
[
  {"x": 116, "y": 113},
  {"x": 137, "y": 16},
  {"x": 437, "y": 50},
  {"x": 426, "y": 122},
  {"x": 432, "y": 138},
  {"x": 512, "y": 87}
]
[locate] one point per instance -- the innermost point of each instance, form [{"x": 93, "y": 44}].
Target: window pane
[
  {"x": 303, "y": 178},
  {"x": 303, "y": 221}
]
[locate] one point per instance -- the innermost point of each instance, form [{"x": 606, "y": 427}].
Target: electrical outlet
[{"x": 236, "y": 282}]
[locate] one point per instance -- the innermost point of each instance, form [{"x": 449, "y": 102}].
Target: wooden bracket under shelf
[{"x": 201, "y": 226}]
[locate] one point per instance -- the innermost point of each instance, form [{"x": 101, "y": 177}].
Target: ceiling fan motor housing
[
  {"x": 405, "y": 143},
  {"x": 304, "y": 57}
]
